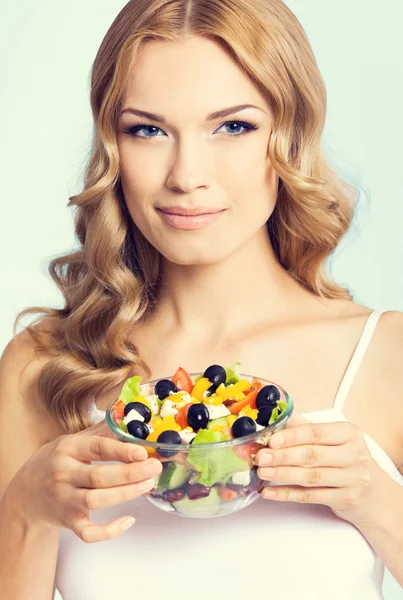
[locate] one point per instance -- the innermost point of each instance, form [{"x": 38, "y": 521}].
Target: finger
[
  {"x": 322, "y": 495},
  {"x": 105, "y": 476},
  {"x": 95, "y": 499},
  {"x": 89, "y": 448},
  {"x": 100, "y": 428},
  {"x": 88, "y": 532},
  {"x": 331, "y": 434},
  {"x": 296, "y": 419},
  {"x": 306, "y": 456},
  {"x": 311, "y": 477}
]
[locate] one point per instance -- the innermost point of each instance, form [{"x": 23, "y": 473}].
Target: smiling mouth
[
  {"x": 190, "y": 219},
  {"x": 191, "y": 212}
]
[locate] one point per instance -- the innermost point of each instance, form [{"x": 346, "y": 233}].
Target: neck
[{"x": 215, "y": 301}]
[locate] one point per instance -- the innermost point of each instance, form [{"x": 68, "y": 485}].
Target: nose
[{"x": 191, "y": 167}]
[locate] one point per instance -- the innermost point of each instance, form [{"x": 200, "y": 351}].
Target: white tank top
[{"x": 270, "y": 549}]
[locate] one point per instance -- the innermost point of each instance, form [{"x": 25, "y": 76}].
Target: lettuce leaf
[
  {"x": 232, "y": 372},
  {"x": 216, "y": 465},
  {"x": 130, "y": 389},
  {"x": 274, "y": 416}
]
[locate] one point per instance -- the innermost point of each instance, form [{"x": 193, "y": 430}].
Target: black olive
[
  {"x": 138, "y": 429},
  {"x": 267, "y": 396},
  {"x": 210, "y": 390},
  {"x": 168, "y": 437},
  {"x": 215, "y": 374},
  {"x": 243, "y": 426},
  {"x": 141, "y": 408},
  {"x": 164, "y": 387},
  {"x": 264, "y": 414},
  {"x": 198, "y": 416},
  {"x": 197, "y": 491}
]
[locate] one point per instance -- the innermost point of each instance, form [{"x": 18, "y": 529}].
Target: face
[{"x": 191, "y": 162}]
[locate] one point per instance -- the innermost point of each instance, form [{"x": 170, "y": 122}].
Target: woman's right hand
[{"x": 58, "y": 484}]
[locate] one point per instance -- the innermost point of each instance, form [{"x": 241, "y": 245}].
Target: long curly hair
[{"x": 111, "y": 281}]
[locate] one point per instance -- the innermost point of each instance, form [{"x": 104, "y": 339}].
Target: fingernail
[
  {"x": 268, "y": 493},
  {"x": 153, "y": 468},
  {"x": 148, "y": 484},
  {"x": 127, "y": 523},
  {"x": 265, "y": 459},
  {"x": 138, "y": 454}
]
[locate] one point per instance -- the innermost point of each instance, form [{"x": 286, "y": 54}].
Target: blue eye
[{"x": 133, "y": 131}]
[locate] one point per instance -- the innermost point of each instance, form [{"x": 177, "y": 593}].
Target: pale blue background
[{"x": 47, "y": 48}]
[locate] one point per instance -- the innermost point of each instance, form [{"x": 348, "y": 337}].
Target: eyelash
[{"x": 138, "y": 126}]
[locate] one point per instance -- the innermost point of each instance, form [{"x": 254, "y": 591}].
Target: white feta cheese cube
[
  {"x": 241, "y": 478},
  {"x": 145, "y": 389},
  {"x": 152, "y": 401},
  {"x": 133, "y": 415},
  {"x": 215, "y": 412},
  {"x": 186, "y": 399},
  {"x": 259, "y": 427},
  {"x": 168, "y": 409},
  {"x": 187, "y": 436}
]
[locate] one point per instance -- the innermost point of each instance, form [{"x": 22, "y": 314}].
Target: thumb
[{"x": 296, "y": 419}]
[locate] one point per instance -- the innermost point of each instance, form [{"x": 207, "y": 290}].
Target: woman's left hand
[{"x": 323, "y": 463}]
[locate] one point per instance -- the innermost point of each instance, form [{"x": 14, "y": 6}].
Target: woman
[{"x": 207, "y": 245}]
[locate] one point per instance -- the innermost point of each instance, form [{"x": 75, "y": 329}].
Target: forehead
[{"x": 196, "y": 72}]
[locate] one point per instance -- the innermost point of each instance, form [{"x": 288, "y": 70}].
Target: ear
[{"x": 296, "y": 419}]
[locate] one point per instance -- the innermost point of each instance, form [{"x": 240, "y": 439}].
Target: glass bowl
[{"x": 206, "y": 480}]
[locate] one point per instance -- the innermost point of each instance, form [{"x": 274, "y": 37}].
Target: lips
[
  {"x": 191, "y": 212},
  {"x": 190, "y": 218}
]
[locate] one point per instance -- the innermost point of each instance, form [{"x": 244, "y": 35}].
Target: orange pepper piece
[{"x": 249, "y": 399}]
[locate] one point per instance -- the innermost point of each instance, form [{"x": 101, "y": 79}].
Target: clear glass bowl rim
[{"x": 234, "y": 442}]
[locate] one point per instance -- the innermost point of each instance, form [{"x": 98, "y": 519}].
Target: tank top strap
[{"x": 356, "y": 359}]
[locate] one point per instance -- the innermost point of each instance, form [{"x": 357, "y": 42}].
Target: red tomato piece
[
  {"x": 182, "y": 380},
  {"x": 182, "y": 416},
  {"x": 245, "y": 451},
  {"x": 119, "y": 410},
  {"x": 227, "y": 494}
]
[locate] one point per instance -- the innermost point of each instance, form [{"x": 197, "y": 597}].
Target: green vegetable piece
[
  {"x": 215, "y": 465},
  {"x": 123, "y": 426},
  {"x": 233, "y": 375},
  {"x": 202, "y": 507},
  {"x": 274, "y": 416},
  {"x": 174, "y": 476},
  {"x": 130, "y": 389},
  {"x": 281, "y": 406},
  {"x": 197, "y": 378}
]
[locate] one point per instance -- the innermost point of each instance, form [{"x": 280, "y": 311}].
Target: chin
[{"x": 192, "y": 258}]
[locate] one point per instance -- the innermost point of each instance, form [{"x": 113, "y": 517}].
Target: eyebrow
[{"x": 218, "y": 114}]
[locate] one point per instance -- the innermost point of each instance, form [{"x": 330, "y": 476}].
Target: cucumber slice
[
  {"x": 219, "y": 421},
  {"x": 203, "y": 507},
  {"x": 174, "y": 476}
]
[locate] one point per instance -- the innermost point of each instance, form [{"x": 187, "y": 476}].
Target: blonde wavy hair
[{"x": 111, "y": 281}]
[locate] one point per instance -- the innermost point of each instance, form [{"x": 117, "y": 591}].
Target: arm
[
  {"x": 385, "y": 532},
  {"x": 28, "y": 551},
  {"x": 28, "y": 556}
]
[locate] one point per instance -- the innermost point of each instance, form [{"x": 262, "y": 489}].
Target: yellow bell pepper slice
[
  {"x": 248, "y": 411},
  {"x": 233, "y": 392},
  {"x": 201, "y": 386},
  {"x": 143, "y": 401},
  {"x": 231, "y": 420},
  {"x": 218, "y": 427}
]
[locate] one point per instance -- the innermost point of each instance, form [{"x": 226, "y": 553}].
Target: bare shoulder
[
  {"x": 20, "y": 367},
  {"x": 25, "y": 423}
]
